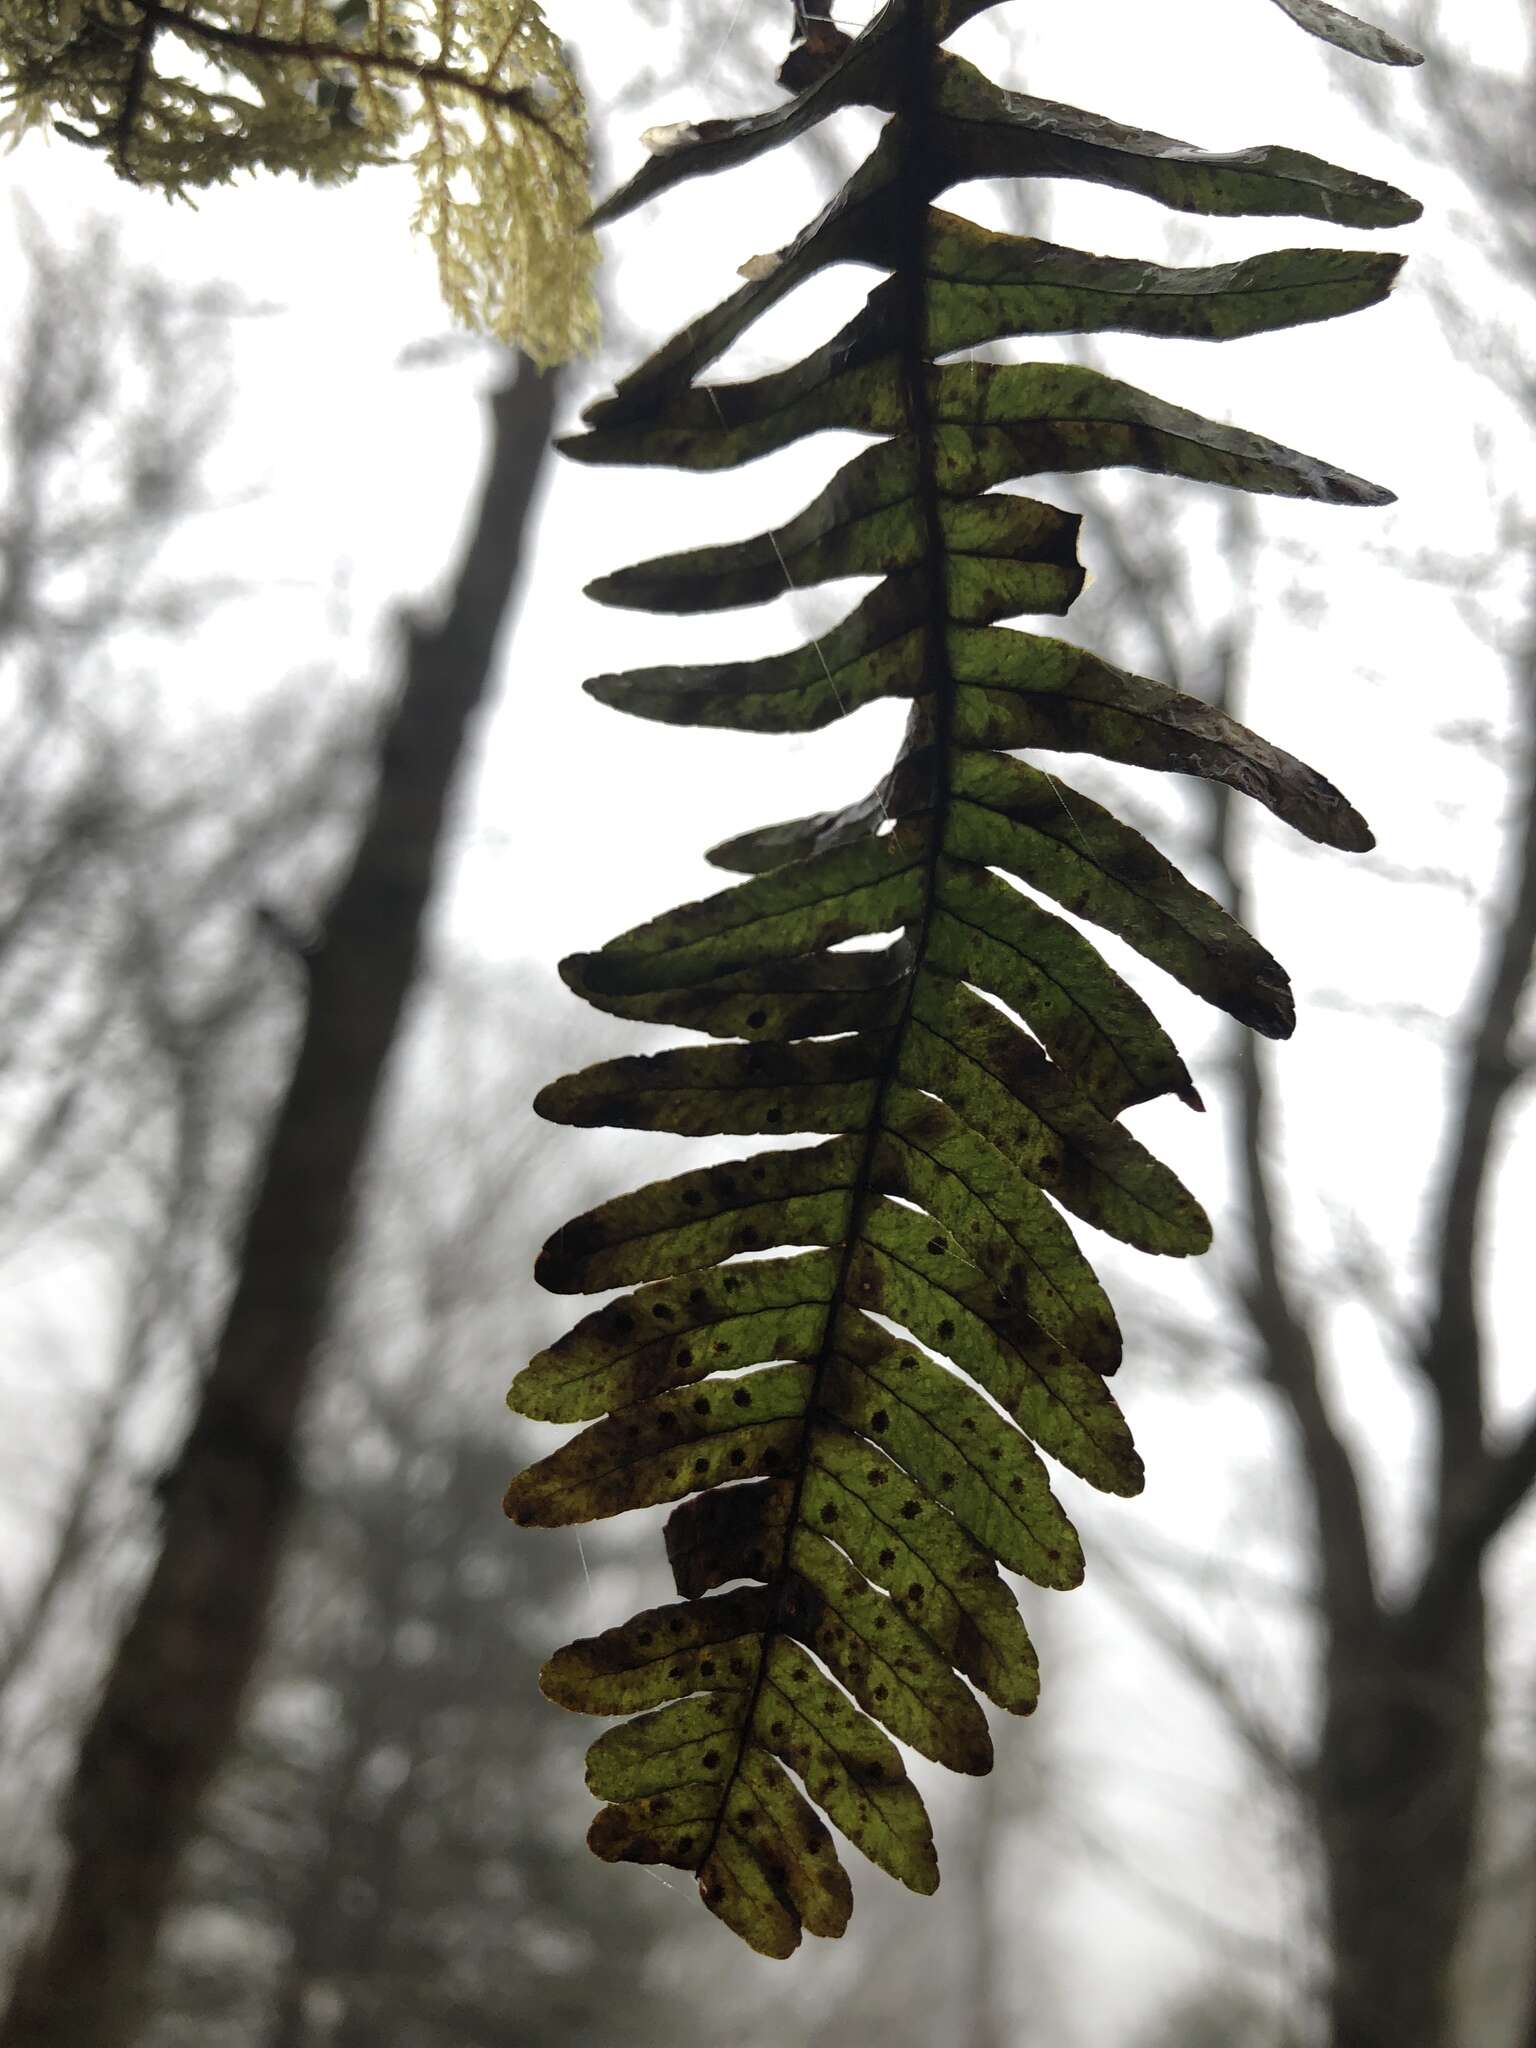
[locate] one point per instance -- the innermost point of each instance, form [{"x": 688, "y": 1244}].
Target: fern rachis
[{"x": 853, "y": 1417}]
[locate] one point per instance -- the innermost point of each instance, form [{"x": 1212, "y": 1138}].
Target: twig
[{"x": 133, "y": 91}]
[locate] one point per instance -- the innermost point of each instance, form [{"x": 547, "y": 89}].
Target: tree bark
[
  {"x": 1394, "y": 1782},
  {"x": 172, "y": 1697},
  {"x": 1397, "y": 1776},
  {"x": 1398, "y": 1779}
]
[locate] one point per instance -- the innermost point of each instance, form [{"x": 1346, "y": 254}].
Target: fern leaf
[
  {"x": 1343, "y": 30},
  {"x": 851, "y": 1365}
]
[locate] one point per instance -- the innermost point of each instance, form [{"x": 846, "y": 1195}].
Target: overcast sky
[{"x": 580, "y": 823}]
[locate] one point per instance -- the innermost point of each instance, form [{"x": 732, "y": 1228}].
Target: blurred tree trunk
[
  {"x": 171, "y": 1699},
  {"x": 984, "y": 1989},
  {"x": 1395, "y": 1777},
  {"x": 1398, "y": 1770},
  {"x": 314, "y": 1920}
]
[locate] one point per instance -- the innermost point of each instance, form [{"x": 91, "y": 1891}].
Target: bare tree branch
[
  {"x": 1475, "y": 1501},
  {"x": 172, "y": 1697}
]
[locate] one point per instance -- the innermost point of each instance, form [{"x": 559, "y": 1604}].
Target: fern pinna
[{"x": 860, "y": 1421}]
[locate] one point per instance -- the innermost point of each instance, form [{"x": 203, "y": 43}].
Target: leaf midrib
[{"x": 916, "y": 108}]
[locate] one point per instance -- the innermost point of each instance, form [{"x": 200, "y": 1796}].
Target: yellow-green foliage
[{"x": 477, "y": 94}]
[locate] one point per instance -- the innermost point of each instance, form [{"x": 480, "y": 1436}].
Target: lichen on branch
[{"x": 477, "y": 95}]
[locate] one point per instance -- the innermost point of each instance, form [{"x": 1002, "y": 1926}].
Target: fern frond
[
  {"x": 477, "y": 93},
  {"x": 849, "y": 1363},
  {"x": 1360, "y": 38}
]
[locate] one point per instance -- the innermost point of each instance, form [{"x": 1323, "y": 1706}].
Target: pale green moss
[{"x": 477, "y": 94}]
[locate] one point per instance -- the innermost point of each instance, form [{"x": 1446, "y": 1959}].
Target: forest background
[{"x": 240, "y": 445}]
